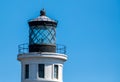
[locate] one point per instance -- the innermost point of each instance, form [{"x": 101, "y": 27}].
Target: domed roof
[
  {"x": 43, "y": 17},
  {"x": 42, "y": 20}
]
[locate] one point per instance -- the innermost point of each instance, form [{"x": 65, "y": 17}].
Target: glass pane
[
  {"x": 56, "y": 71},
  {"x": 42, "y": 35},
  {"x": 41, "y": 70},
  {"x": 26, "y": 71}
]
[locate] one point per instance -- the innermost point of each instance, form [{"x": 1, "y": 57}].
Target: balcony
[{"x": 24, "y": 48}]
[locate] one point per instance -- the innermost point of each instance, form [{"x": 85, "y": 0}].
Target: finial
[{"x": 42, "y": 12}]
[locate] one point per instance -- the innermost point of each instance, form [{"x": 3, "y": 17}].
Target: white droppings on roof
[{"x": 42, "y": 18}]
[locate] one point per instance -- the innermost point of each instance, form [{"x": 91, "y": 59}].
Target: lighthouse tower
[{"x": 42, "y": 59}]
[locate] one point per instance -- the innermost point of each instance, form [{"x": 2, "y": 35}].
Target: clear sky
[{"x": 89, "y": 28}]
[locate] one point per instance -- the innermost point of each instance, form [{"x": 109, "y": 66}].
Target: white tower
[{"x": 42, "y": 60}]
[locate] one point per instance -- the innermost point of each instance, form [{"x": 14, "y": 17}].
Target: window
[
  {"x": 41, "y": 70},
  {"x": 56, "y": 71},
  {"x": 26, "y": 71}
]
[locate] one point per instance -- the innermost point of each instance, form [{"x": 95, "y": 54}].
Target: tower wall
[{"x": 49, "y": 60}]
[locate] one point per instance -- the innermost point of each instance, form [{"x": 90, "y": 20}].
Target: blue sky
[{"x": 89, "y": 28}]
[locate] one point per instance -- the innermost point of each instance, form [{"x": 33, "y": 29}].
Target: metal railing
[
  {"x": 61, "y": 49},
  {"x": 24, "y": 48}
]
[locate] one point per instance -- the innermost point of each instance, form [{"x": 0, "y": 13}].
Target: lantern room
[{"x": 42, "y": 34}]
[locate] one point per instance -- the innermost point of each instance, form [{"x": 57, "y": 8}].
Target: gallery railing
[{"x": 24, "y": 48}]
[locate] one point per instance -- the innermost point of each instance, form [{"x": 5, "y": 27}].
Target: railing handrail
[{"x": 24, "y": 48}]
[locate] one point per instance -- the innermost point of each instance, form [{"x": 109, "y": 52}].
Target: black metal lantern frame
[{"x": 42, "y": 36}]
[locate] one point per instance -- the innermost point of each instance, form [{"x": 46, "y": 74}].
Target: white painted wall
[{"x": 49, "y": 59}]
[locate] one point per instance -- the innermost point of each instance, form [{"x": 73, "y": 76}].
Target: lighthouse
[{"x": 42, "y": 59}]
